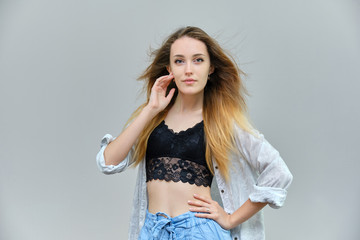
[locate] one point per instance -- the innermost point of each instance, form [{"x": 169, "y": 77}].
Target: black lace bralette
[{"x": 178, "y": 156}]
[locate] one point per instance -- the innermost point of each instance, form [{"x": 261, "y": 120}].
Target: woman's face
[{"x": 190, "y": 65}]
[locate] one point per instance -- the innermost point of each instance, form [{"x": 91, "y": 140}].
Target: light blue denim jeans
[{"x": 161, "y": 226}]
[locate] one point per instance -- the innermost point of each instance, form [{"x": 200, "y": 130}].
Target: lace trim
[
  {"x": 182, "y": 131},
  {"x": 177, "y": 169}
]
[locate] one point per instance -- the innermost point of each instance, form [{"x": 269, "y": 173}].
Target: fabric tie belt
[{"x": 163, "y": 222}]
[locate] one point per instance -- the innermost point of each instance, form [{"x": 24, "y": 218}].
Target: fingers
[
  {"x": 158, "y": 99},
  {"x": 198, "y": 204},
  {"x": 164, "y": 81},
  {"x": 205, "y": 206},
  {"x": 201, "y": 198},
  {"x": 202, "y": 204},
  {"x": 203, "y": 215},
  {"x": 170, "y": 94},
  {"x": 200, "y": 209}
]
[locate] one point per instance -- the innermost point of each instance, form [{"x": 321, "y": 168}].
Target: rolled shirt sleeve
[
  {"x": 273, "y": 175},
  {"x": 111, "y": 169}
]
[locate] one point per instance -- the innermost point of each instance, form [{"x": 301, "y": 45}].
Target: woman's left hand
[{"x": 210, "y": 209}]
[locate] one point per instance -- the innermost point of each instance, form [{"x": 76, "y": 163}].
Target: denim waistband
[
  {"x": 160, "y": 226},
  {"x": 185, "y": 220}
]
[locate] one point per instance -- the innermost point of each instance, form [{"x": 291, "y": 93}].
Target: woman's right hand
[{"x": 158, "y": 99}]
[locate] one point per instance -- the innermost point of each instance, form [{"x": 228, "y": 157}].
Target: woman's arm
[
  {"x": 246, "y": 211},
  {"x": 270, "y": 188},
  {"x": 118, "y": 149}
]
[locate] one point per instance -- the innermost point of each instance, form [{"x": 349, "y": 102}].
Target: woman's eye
[
  {"x": 199, "y": 60},
  {"x": 178, "y": 61}
]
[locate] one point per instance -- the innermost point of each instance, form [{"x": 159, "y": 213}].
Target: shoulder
[
  {"x": 248, "y": 141},
  {"x": 251, "y": 135}
]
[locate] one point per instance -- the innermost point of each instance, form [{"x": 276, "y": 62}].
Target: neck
[{"x": 189, "y": 103}]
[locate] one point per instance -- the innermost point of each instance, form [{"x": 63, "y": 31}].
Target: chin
[{"x": 190, "y": 92}]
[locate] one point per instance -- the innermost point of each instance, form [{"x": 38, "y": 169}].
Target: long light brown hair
[{"x": 224, "y": 99}]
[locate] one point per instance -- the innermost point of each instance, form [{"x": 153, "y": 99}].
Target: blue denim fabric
[{"x": 161, "y": 226}]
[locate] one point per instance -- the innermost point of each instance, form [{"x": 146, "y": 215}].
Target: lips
[{"x": 189, "y": 81}]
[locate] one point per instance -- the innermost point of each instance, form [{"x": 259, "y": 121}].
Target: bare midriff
[{"x": 172, "y": 197}]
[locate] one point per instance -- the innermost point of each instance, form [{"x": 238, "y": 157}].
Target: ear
[
  {"x": 168, "y": 69},
  {"x": 211, "y": 69}
]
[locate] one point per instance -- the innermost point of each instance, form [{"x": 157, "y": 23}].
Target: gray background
[{"x": 67, "y": 75}]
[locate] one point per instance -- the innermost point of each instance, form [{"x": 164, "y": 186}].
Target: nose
[{"x": 188, "y": 68}]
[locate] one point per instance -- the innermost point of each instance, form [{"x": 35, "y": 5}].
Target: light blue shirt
[{"x": 257, "y": 172}]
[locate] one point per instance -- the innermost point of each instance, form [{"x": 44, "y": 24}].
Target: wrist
[
  {"x": 149, "y": 112},
  {"x": 231, "y": 221}
]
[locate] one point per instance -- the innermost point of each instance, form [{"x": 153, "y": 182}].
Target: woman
[{"x": 193, "y": 127}]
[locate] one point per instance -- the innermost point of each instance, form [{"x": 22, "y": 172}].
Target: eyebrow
[{"x": 195, "y": 55}]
